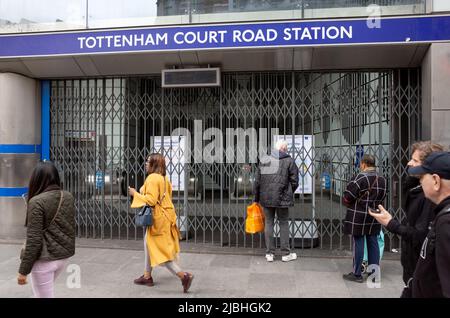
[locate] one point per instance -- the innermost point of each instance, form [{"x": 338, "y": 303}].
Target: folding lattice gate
[{"x": 103, "y": 129}]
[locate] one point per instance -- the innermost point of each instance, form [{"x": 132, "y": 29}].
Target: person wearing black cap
[
  {"x": 418, "y": 214},
  {"x": 431, "y": 278}
]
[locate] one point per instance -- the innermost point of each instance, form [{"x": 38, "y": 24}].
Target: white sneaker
[
  {"x": 269, "y": 257},
  {"x": 290, "y": 257}
]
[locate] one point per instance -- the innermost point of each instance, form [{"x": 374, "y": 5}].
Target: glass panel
[
  {"x": 44, "y": 15},
  {"x": 250, "y": 10},
  {"x": 441, "y": 5},
  {"x": 49, "y": 15},
  {"x": 115, "y": 13}
]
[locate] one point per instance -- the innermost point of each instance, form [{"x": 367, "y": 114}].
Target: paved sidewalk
[{"x": 110, "y": 273}]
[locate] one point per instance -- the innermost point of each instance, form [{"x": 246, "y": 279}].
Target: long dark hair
[
  {"x": 157, "y": 164},
  {"x": 44, "y": 175}
]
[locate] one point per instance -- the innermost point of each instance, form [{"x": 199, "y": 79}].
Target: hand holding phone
[
  {"x": 381, "y": 215},
  {"x": 375, "y": 210}
]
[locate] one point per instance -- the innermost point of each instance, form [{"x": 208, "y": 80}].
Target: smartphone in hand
[{"x": 375, "y": 210}]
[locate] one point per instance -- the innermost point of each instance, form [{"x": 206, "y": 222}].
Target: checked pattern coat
[{"x": 366, "y": 189}]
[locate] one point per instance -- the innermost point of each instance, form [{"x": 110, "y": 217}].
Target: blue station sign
[{"x": 418, "y": 29}]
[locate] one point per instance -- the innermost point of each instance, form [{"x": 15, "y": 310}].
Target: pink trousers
[{"x": 43, "y": 275}]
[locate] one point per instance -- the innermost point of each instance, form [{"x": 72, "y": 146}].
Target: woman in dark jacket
[
  {"x": 366, "y": 190},
  {"x": 418, "y": 211},
  {"x": 50, "y": 225}
]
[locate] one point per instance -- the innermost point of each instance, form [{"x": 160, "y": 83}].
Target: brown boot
[
  {"x": 144, "y": 281},
  {"x": 186, "y": 281}
]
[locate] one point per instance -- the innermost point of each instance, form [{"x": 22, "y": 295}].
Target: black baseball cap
[{"x": 436, "y": 163}]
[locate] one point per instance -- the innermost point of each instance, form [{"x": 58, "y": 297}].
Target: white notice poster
[
  {"x": 174, "y": 150},
  {"x": 302, "y": 154}
]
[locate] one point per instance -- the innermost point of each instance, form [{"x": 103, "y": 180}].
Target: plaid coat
[{"x": 358, "y": 200}]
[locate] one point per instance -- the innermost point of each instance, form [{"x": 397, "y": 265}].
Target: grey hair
[{"x": 281, "y": 144}]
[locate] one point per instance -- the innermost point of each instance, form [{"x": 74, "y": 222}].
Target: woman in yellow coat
[{"x": 161, "y": 240}]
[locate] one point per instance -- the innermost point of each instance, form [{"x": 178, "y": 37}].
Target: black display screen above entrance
[{"x": 197, "y": 77}]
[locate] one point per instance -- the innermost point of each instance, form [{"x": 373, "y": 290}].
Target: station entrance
[{"x": 103, "y": 129}]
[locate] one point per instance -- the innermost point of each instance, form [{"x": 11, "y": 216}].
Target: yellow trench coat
[{"x": 163, "y": 236}]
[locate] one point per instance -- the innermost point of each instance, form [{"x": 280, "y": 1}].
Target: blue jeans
[{"x": 373, "y": 251}]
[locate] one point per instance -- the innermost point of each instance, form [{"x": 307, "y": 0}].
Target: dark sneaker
[
  {"x": 353, "y": 278},
  {"x": 186, "y": 281},
  {"x": 144, "y": 281}
]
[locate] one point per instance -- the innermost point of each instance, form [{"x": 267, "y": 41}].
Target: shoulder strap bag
[{"x": 145, "y": 216}]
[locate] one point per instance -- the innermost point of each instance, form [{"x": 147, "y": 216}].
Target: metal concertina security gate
[{"x": 102, "y": 130}]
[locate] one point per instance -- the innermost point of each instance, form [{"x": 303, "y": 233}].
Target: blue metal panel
[
  {"x": 20, "y": 148},
  {"x": 45, "y": 117},
  {"x": 12, "y": 192}
]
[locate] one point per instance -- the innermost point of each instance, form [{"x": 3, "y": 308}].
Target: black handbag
[{"x": 145, "y": 216}]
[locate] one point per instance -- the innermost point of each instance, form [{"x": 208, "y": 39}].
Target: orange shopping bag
[{"x": 255, "y": 219}]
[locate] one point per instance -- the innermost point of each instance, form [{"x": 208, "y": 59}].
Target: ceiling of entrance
[{"x": 318, "y": 58}]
